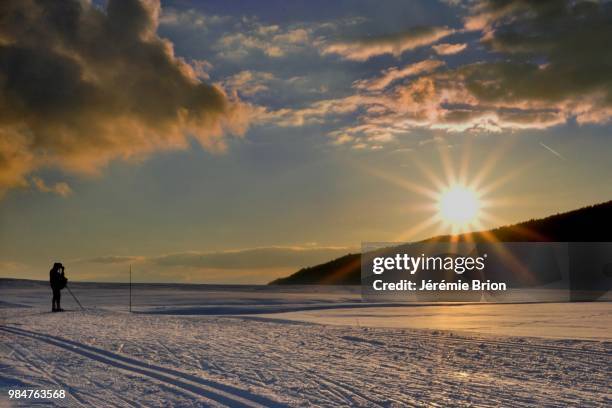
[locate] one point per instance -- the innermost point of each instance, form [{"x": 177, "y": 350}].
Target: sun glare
[{"x": 458, "y": 206}]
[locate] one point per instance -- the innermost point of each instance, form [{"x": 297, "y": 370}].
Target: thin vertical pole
[{"x": 130, "y": 288}]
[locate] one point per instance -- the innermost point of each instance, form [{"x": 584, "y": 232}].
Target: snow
[
  {"x": 585, "y": 321},
  {"x": 298, "y": 346}
]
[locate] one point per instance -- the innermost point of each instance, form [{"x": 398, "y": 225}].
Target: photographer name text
[{"x": 430, "y": 285}]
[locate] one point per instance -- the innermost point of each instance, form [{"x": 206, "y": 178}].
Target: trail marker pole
[{"x": 130, "y": 288}]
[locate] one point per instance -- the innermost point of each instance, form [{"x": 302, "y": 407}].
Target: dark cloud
[
  {"x": 550, "y": 61},
  {"x": 268, "y": 257},
  {"x": 80, "y": 86},
  {"x": 251, "y": 258},
  {"x": 558, "y": 52}
]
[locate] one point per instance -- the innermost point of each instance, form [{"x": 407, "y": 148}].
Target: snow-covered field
[{"x": 270, "y": 346}]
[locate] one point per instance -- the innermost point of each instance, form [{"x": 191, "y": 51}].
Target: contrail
[{"x": 556, "y": 153}]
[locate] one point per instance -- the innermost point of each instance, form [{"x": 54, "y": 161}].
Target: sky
[{"x": 236, "y": 142}]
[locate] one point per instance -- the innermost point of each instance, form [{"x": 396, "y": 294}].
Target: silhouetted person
[{"x": 58, "y": 282}]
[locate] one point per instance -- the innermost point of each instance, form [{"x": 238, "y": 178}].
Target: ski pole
[{"x": 75, "y": 298}]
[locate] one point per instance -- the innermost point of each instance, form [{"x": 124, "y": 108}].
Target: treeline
[{"x": 587, "y": 224}]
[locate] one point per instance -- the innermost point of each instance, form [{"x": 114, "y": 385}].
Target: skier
[{"x": 58, "y": 282}]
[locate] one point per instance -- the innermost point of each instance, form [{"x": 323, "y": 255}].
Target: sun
[{"x": 458, "y": 205}]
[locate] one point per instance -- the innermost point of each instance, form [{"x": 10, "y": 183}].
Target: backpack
[{"x": 62, "y": 281}]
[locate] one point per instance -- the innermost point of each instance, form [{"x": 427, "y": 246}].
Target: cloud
[
  {"x": 319, "y": 111},
  {"x": 250, "y": 258},
  {"x": 271, "y": 40},
  {"x": 201, "y": 68},
  {"x": 113, "y": 259},
  {"x": 545, "y": 63},
  {"x": 396, "y": 44},
  {"x": 249, "y": 37},
  {"x": 81, "y": 86},
  {"x": 557, "y": 58},
  {"x": 390, "y": 75},
  {"x": 570, "y": 39},
  {"x": 295, "y": 36},
  {"x": 249, "y": 83},
  {"x": 449, "y": 49},
  {"x": 239, "y": 266},
  {"x": 192, "y": 18},
  {"x": 61, "y": 188}
]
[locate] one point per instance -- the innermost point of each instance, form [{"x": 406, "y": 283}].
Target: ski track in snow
[{"x": 190, "y": 384}]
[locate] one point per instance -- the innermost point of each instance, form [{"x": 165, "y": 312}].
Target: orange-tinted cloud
[
  {"x": 449, "y": 49},
  {"x": 80, "y": 86},
  {"x": 249, "y": 83},
  {"x": 555, "y": 66},
  {"x": 60, "y": 188},
  {"x": 396, "y": 44},
  {"x": 392, "y": 74}
]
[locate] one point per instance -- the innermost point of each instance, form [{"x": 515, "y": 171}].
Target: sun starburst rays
[{"x": 461, "y": 198}]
